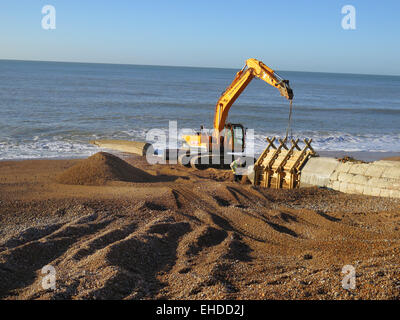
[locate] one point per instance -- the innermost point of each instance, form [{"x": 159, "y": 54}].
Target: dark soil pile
[{"x": 101, "y": 168}]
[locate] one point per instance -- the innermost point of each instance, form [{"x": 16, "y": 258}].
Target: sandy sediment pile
[{"x": 101, "y": 168}]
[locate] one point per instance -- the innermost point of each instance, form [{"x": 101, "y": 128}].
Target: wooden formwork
[{"x": 280, "y": 166}]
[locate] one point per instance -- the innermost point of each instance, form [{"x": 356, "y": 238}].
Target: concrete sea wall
[{"x": 379, "y": 178}]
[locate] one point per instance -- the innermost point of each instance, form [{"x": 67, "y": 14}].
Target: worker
[{"x": 238, "y": 163}]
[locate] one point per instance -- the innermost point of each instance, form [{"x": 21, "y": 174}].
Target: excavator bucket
[{"x": 280, "y": 166}]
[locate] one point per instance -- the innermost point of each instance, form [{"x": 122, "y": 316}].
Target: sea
[{"x": 53, "y": 109}]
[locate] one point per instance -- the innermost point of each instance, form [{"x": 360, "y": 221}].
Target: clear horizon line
[{"x": 200, "y": 67}]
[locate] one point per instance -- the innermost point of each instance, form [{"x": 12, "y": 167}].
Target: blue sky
[{"x": 298, "y": 35}]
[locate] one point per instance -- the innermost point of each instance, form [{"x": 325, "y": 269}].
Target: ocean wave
[
  {"x": 341, "y": 141},
  {"x": 44, "y": 149},
  {"x": 79, "y": 146}
]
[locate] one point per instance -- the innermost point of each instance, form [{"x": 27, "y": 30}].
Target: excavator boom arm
[{"x": 253, "y": 68}]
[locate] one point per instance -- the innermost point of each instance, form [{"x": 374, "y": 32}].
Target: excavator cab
[{"x": 234, "y": 138}]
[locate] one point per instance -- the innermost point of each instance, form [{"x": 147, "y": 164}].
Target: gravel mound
[{"x": 101, "y": 168}]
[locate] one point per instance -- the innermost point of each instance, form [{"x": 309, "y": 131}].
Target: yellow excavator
[{"x": 203, "y": 150}]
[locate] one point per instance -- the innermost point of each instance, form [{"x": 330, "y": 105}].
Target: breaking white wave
[
  {"x": 340, "y": 141},
  {"x": 45, "y": 149},
  {"x": 76, "y": 147}
]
